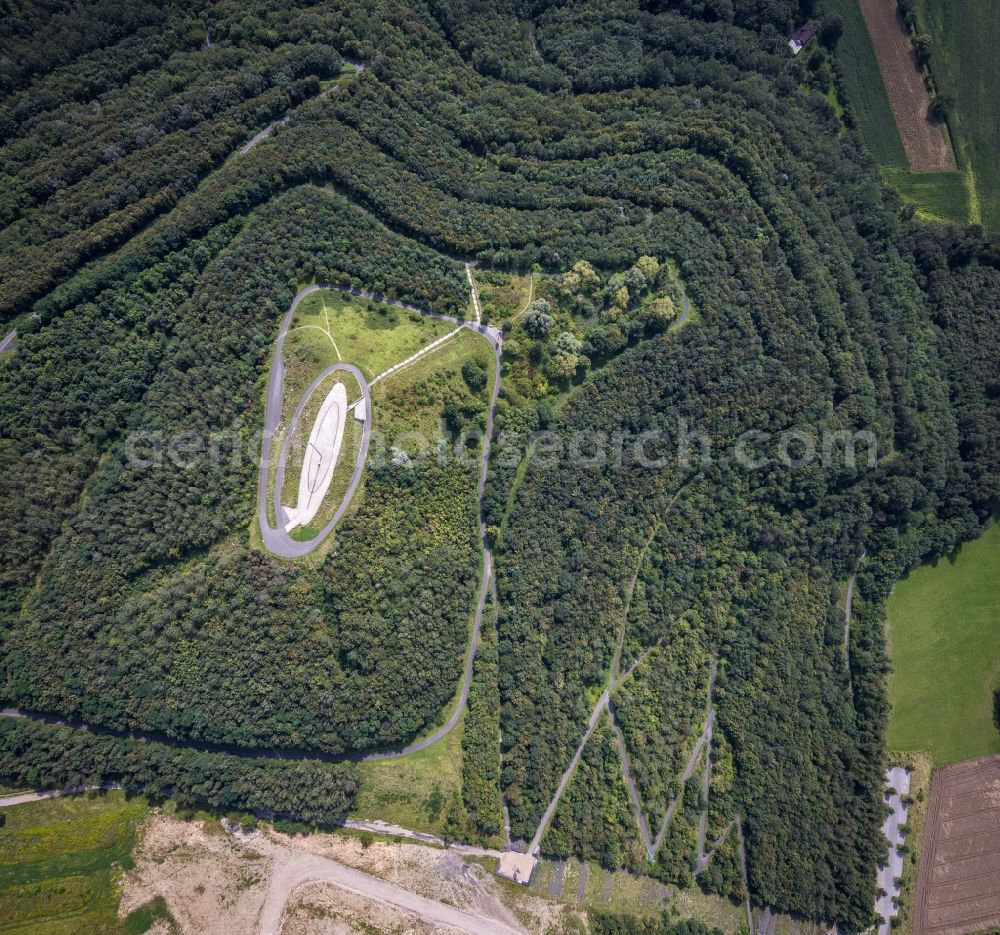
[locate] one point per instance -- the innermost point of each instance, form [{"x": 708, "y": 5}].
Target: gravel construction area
[
  {"x": 217, "y": 882},
  {"x": 958, "y": 884}
]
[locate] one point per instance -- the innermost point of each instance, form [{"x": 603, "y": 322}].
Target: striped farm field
[
  {"x": 965, "y": 36},
  {"x": 864, "y": 84},
  {"x": 925, "y": 140}
]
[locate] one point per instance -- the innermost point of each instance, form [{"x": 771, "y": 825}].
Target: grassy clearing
[
  {"x": 330, "y": 327},
  {"x": 413, "y": 400},
  {"x": 966, "y": 34},
  {"x": 420, "y": 791},
  {"x": 944, "y": 638},
  {"x": 502, "y": 295},
  {"x": 865, "y": 86},
  {"x": 939, "y": 196},
  {"x": 59, "y": 860},
  {"x": 370, "y": 335}
]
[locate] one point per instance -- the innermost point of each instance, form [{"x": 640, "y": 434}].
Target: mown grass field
[
  {"x": 966, "y": 35},
  {"x": 59, "y": 860},
  {"x": 939, "y": 196},
  {"x": 944, "y": 642},
  {"x": 370, "y": 335}
]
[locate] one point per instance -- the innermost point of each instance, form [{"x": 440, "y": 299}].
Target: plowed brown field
[
  {"x": 923, "y": 137},
  {"x": 958, "y": 884}
]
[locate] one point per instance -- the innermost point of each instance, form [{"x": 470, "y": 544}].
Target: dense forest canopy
[{"x": 146, "y": 263}]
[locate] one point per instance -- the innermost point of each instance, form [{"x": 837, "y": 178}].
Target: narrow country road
[
  {"x": 262, "y": 135},
  {"x": 8, "y": 342},
  {"x": 276, "y": 539},
  {"x": 293, "y": 868},
  {"x": 897, "y": 779},
  {"x": 272, "y": 417},
  {"x": 422, "y": 837}
]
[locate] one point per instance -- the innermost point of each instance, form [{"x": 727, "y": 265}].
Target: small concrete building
[{"x": 516, "y": 867}]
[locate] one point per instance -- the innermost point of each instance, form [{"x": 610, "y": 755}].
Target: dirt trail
[
  {"x": 293, "y": 868},
  {"x": 567, "y": 775}
]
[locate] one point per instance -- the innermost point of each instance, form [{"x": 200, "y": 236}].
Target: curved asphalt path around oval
[
  {"x": 277, "y": 539},
  {"x": 279, "y": 542},
  {"x": 272, "y": 417}
]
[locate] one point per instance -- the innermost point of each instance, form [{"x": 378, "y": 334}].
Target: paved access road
[{"x": 277, "y": 539}]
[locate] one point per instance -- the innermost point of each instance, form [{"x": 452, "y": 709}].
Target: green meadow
[
  {"x": 329, "y": 326},
  {"x": 864, "y": 84},
  {"x": 59, "y": 863},
  {"x": 944, "y": 642}
]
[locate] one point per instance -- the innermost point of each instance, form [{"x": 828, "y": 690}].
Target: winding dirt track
[{"x": 295, "y": 868}]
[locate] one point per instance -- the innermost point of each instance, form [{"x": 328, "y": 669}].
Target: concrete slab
[
  {"x": 322, "y": 452},
  {"x": 517, "y": 867}
]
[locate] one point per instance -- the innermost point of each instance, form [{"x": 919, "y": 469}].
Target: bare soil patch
[
  {"x": 923, "y": 137},
  {"x": 958, "y": 884},
  {"x": 324, "y": 909},
  {"x": 216, "y": 882}
]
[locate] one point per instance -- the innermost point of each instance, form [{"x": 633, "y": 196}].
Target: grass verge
[
  {"x": 965, "y": 36},
  {"x": 939, "y": 196}
]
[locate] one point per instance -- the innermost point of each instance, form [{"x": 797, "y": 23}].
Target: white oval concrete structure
[{"x": 320, "y": 458}]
